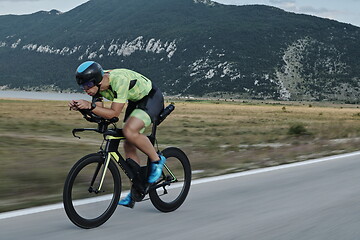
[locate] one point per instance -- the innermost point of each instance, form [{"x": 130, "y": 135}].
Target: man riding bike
[{"x": 145, "y": 102}]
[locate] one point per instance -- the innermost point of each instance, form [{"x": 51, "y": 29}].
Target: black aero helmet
[{"x": 89, "y": 71}]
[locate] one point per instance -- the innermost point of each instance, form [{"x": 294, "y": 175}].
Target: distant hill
[{"x": 187, "y": 47}]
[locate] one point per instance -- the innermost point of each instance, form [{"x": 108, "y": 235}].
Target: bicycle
[{"x": 95, "y": 178}]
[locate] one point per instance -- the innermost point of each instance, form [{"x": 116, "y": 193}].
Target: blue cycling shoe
[
  {"x": 127, "y": 201},
  {"x": 156, "y": 169}
]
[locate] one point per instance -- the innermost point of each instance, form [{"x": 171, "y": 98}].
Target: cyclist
[{"x": 145, "y": 102}]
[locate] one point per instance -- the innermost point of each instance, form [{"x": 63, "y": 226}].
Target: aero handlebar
[{"x": 92, "y": 117}]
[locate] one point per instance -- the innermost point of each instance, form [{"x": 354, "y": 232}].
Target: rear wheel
[
  {"x": 85, "y": 205},
  {"x": 177, "y": 175}
]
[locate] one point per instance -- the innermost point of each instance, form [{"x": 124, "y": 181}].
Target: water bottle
[{"x": 166, "y": 112}]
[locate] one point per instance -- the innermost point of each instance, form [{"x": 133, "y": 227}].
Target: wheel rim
[
  {"x": 87, "y": 204},
  {"x": 174, "y": 171}
]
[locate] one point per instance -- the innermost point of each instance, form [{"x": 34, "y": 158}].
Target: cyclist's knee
[{"x": 130, "y": 133}]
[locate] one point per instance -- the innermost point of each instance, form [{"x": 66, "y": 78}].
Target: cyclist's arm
[
  {"x": 108, "y": 113},
  {"x": 99, "y": 104},
  {"x": 98, "y": 101}
]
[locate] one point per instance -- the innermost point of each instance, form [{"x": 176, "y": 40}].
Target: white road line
[
  {"x": 269, "y": 169},
  {"x": 34, "y": 210}
]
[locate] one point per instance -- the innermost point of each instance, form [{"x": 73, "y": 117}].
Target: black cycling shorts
[{"x": 152, "y": 104}]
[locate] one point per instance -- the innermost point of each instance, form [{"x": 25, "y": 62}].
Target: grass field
[{"x": 37, "y": 148}]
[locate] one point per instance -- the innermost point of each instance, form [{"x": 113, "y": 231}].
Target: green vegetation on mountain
[{"x": 187, "y": 47}]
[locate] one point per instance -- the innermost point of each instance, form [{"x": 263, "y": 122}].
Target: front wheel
[
  {"x": 176, "y": 178},
  {"x": 85, "y": 204}
]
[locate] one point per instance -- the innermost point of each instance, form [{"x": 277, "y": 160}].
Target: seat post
[{"x": 153, "y": 134}]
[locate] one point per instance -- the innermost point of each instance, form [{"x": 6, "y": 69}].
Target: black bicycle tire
[
  {"x": 172, "y": 206},
  {"x": 67, "y": 200}
]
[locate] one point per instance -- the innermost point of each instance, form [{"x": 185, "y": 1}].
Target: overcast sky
[{"x": 347, "y": 11}]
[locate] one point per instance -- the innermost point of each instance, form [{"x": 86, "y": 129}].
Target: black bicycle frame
[
  {"x": 113, "y": 138},
  {"x": 111, "y": 147}
]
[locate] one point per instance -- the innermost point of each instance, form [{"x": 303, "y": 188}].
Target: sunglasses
[{"x": 87, "y": 85}]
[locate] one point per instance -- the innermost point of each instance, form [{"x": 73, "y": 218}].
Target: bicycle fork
[{"x": 106, "y": 162}]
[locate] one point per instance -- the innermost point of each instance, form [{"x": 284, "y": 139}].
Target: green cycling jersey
[{"x": 126, "y": 85}]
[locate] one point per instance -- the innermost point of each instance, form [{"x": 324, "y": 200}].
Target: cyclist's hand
[
  {"x": 82, "y": 104},
  {"x": 72, "y": 105}
]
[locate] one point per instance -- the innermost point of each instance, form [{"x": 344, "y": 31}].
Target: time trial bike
[{"x": 93, "y": 186}]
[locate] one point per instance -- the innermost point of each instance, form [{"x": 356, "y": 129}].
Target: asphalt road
[{"x": 317, "y": 200}]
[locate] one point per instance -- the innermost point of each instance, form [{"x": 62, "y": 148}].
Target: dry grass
[
  {"x": 241, "y": 136},
  {"x": 37, "y": 148}
]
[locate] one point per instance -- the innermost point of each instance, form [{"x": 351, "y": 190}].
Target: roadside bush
[{"x": 298, "y": 129}]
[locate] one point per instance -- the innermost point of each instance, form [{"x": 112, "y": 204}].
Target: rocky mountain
[{"x": 187, "y": 47}]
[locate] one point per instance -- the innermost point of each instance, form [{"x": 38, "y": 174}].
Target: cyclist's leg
[
  {"x": 131, "y": 130},
  {"x": 140, "y": 115},
  {"x": 131, "y": 151},
  {"x": 129, "y": 148},
  {"x": 147, "y": 111},
  {"x": 132, "y": 133}
]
